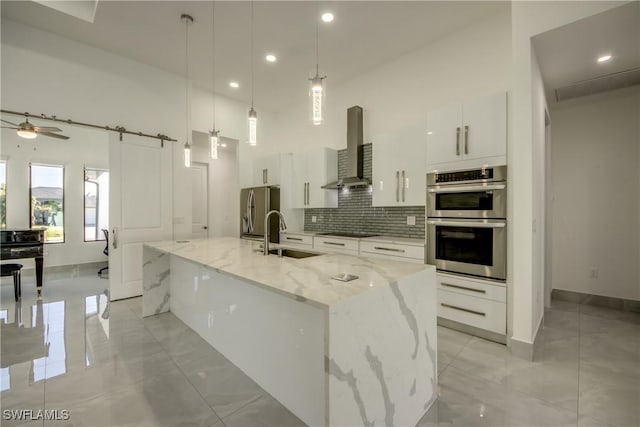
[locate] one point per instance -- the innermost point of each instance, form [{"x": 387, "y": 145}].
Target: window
[
  {"x": 3, "y": 194},
  {"x": 47, "y": 201},
  {"x": 96, "y": 204}
]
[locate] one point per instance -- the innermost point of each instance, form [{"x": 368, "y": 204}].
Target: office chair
[{"x": 105, "y": 251}]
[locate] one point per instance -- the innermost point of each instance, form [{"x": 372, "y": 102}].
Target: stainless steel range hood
[{"x": 355, "y": 159}]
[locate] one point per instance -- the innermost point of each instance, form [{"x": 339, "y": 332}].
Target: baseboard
[
  {"x": 522, "y": 349},
  {"x": 596, "y": 300},
  {"x": 472, "y": 330}
]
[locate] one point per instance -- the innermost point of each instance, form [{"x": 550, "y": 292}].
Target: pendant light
[
  {"x": 253, "y": 116},
  {"x": 187, "y": 19},
  {"x": 316, "y": 89},
  {"x": 213, "y": 135}
]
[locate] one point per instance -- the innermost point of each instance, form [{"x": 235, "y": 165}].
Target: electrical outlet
[
  {"x": 314, "y": 218},
  {"x": 595, "y": 273},
  {"x": 411, "y": 220}
]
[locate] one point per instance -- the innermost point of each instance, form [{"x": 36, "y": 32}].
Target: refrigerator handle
[{"x": 250, "y": 211}]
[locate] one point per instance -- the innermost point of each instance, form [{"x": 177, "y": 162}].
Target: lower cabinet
[
  {"x": 477, "y": 303},
  {"x": 336, "y": 244},
  {"x": 393, "y": 251}
]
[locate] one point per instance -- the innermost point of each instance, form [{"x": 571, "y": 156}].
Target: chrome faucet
[{"x": 283, "y": 226}]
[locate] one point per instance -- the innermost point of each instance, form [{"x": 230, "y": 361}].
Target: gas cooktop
[{"x": 354, "y": 235}]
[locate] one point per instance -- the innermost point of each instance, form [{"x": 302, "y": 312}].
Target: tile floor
[{"x": 107, "y": 366}]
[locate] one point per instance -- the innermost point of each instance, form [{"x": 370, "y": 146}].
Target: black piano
[{"x": 20, "y": 244}]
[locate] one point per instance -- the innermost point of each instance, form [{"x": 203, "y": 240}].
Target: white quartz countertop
[{"x": 307, "y": 280}]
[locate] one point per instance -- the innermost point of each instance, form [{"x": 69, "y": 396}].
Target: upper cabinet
[
  {"x": 470, "y": 135},
  {"x": 310, "y": 171},
  {"x": 267, "y": 170},
  {"x": 398, "y": 168}
]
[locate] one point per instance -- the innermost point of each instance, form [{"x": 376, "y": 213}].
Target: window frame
[
  {"x": 84, "y": 206},
  {"x": 31, "y": 226}
]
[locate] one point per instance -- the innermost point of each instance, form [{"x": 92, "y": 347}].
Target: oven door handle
[
  {"x": 467, "y": 224},
  {"x": 467, "y": 188}
]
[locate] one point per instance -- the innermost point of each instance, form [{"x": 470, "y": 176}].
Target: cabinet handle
[
  {"x": 457, "y": 141},
  {"x": 397, "y": 186},
  {"x": 293, "y": 238},
  {"x": 404, "y": 184},
  {"x": 464, "y": 288},
  {"x": 308, "y": 193},
  {"x": 264, "y": 176},
  {"x": 466, "y": 140},
  {"x": 463, "y": 309},
  {"x": 114, "y": 238},
  {"x": 333, "y": 243},
  {"x": 304, "y": 194},
  {"x": 380, "y": 248}
]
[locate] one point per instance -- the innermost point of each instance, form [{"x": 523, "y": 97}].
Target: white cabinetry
[
  {"x": 392, "y": 251},
  {"x": 298, "y": 240},
  {"x": 399, "y": 168},
  {"x": 470, "y": 135},
  {"x": 267, "y": 170},
  {"x": 336, "y": 244},
  {"x": 473, "y": 302},
  {"x": 312, "y": 170}
]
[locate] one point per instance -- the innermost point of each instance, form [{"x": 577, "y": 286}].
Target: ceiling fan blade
[
  {"x": 7, "y": 121},
  {"x": 53, "y": 135},
  {"x": 46, "y": 129},
  {"x": 7, "y": 127}
]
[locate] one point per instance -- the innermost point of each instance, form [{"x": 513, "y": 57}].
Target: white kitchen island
[{"x": 334, "y": 353}]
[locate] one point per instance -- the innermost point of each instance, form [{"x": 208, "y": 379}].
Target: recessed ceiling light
[
  {"x": 327, "y": 17},
  {"x": 604, "y": 58},
  {"x": 234, "y": 85},
  {"x": 270, "y": 58}
]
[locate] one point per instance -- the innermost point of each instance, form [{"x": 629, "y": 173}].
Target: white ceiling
[
  {"x": 364, "y": 34},
  {"x": 568, "y": 54}
]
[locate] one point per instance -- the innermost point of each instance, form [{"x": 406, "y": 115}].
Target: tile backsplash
[{"x": 355, "y": 214}]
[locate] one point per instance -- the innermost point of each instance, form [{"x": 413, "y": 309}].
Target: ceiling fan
[{"x": 29, "y": 131}]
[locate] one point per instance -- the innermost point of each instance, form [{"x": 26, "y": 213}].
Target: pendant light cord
[
  {"x": 186, "y": 61},
  {"x": 213, "y": 63},
  {"x": 317, "y": 56},
  {"x": 252, "y": 71}
]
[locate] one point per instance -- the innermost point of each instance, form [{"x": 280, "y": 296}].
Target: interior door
[
  {"x": 140, "y": 207},
  {"x": 199, "y": 200}
]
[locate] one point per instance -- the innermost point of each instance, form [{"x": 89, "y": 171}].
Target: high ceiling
[
  {"x": 568, "y": 55},
  {"x": 364, "y": 34}
]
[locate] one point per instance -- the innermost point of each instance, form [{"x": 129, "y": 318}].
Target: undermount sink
[{"x": 293, "y": 253}]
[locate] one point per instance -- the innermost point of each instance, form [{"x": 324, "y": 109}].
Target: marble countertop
[{"x": 307, "y": 280}]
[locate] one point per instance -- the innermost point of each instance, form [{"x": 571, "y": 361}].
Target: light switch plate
[
  {"x": 411, "y": 220},
  {"x": 314, "y": 218}
]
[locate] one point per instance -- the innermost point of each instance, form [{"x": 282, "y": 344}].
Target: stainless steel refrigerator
[{"x": 255, "y": 203}]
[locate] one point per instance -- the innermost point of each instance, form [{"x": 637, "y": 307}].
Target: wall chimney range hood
[{"x": 355, "y": 158}]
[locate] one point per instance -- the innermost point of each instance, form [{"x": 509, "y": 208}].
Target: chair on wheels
[
  {"x": 13, "y": 270},
  {"x": 105, "y": 251}
]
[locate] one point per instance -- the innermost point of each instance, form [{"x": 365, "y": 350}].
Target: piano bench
[{"x": 13, "y": 270}]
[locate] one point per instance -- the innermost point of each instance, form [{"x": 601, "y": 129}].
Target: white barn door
[{"x": 140, "y": 207}]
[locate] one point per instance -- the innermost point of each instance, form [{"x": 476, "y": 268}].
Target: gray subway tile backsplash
[{"x": 355, "y": 214}]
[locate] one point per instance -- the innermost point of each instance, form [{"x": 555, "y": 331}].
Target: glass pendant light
[
  {"x": 213, "y": 135},
  {"x": 253, "y": 116},
  {"x": 317, "y": 89},
  {"x": 187, "y": 19}
]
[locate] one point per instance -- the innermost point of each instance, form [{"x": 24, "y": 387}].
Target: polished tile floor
[{"x": 107, "y": 366}]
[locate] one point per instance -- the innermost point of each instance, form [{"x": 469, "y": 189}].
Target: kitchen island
[{"x": 335, "y": 353}]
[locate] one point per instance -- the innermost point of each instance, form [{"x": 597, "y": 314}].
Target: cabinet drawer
[
  {"x": 480, "y": 313},
  {"x": 393, "y": 249},
  {"x": 474, "y": 288},
  {"x": 391, "y": 257},
  {"x": 296, "y": 239},
  {"x": 333, "y": 244}
]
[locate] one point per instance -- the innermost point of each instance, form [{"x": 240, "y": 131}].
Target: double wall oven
[{"x": 466, "y": 222}]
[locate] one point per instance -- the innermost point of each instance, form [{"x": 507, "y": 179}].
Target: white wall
[
  {"x": 46, "y": 73},
  {"x": 85, "y": 147},
  {"x": 596, "y": 191},
  {"x": 527, "y": 20}
]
